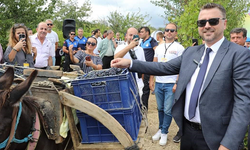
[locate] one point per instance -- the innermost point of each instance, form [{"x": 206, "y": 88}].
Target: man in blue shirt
[
  {"x": 71, "y": 42},
  {"x": 148, "y": 44},
  {"x": 81, "y": 39}
]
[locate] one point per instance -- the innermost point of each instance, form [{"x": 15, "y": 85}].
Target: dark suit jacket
[{"x": 225, "y": 99}]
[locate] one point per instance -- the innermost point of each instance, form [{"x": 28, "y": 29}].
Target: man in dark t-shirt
[{"x": 148, "y": 44}]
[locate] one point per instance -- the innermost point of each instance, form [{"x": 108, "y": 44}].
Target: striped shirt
[{"x": 80, "y": 55}]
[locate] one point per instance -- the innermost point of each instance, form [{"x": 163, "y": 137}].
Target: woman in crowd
[
  {"x": 19, "y": 51},
  {"x": 87, "y": 60}
]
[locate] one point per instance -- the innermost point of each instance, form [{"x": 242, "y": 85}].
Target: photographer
[
  {"x": 131, "y": 50},
  {"x": 87, "y": 59},
  {"x": 19, "y": 51}
]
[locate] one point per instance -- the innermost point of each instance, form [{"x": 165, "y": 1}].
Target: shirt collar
[{"x": 215, "y": 47}]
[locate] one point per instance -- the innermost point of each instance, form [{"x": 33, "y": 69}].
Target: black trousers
[
  {"x": 67, "y": 62},
  {"x": 106, "y": 61},
  {"x": 192, "y": 139},
  {"x": 145, "y": 90}
]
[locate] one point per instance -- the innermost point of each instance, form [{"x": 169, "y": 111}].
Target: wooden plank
[
  {"x": 72, "y": 127},
  {"x": 44, "y": 73},
  {"x": 101, "y": 146},
  {"x": 99, "y": 114}
]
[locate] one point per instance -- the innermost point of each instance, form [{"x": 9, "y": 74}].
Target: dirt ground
[{"x": 153, "y": 127}]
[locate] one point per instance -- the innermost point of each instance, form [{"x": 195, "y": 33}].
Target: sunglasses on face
[
  {"x": 90, "y": 43},
  {"x": 72, "y": 34},
  {"x": 171, "y": 30},
  {"x": 212, "y": 22},
  {"x": 49, "y": 24}
]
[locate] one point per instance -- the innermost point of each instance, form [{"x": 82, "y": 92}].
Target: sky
[{"x": 102, "y": 8}]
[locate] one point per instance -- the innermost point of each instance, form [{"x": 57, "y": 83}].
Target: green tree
[
  {"x": 186, "y": 20},
  {"x": 119, "y": 22},
  {"x": 71, "y": 9},
  {"x": 29, "y": 12},
  {"x": 173, "y": 7}
]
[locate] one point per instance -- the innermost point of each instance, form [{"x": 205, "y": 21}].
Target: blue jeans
[
  {"x": 54, "y": 60},
  {"x": 164, "y": 98}
]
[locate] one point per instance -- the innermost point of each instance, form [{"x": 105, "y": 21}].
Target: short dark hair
[
  {"x": 29, "y": 29},
  {"x": 72, "y": 31},
  {"x": 96, "y": 31},
  {"x": 239, "y": 30},
  {"x": 105, "y": 31},
  {"x": 173, "y": 24},
  {"x": 146, "y": 29},
  {"x": 213, "y": 5}
]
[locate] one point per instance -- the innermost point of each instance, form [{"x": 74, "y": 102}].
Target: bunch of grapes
[
  {"x": 18, "y": 71},
  {"x": 102, "y": 73}
]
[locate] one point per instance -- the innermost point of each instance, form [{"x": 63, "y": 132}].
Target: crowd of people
[{"x": 204, "y": 87}]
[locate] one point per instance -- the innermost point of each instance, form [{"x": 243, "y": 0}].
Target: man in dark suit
[{"x": 212, "y": 100}]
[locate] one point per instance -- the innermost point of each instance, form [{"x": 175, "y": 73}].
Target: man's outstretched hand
[{"x": 120, "y": 63}]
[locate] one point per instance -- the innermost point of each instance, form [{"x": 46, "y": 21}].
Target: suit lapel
[
  {"x": 216, "y": 62},
  {"x": 189, "y": 68}
]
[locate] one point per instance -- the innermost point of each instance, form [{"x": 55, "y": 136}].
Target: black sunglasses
[
  {"x": 171, "y": 30},
  {"x": 72, "y": 33},
  {"x": 49, "y": 24},
  {"x": 212, "y": 22},
  {"x": 90, "y": 43}
]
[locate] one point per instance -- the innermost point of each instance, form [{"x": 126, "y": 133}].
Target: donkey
[{"x": 11, "y": 101}]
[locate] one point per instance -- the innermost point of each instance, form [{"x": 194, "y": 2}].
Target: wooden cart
[{"x": 70, "y": 101}]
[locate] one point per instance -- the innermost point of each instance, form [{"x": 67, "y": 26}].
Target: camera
[
  {"x": 195, "y": 41},
  {"x": 88, "y": 58},
  {"x": 21, "y": 36},
  {"x": 136, "y": 36}
]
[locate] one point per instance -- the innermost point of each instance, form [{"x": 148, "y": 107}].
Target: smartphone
[
  {"x": 196, "y": 41},
  {"x": 136, "y": 36},
  {"x": 21, "y": 36},
  {"x": 88, "y": 58}
]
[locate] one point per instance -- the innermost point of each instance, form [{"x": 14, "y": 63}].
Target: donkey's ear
[
  {"x": 17, "y": 92},
  {"x": 6, "y": 79}
]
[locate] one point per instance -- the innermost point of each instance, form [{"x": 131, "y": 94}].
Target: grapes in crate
[{"x": 102, "y": 73}]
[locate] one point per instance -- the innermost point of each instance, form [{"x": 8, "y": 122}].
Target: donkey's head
[{"x": 10, "y": 98}]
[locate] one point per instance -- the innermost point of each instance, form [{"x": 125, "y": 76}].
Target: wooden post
[{"x": 72, "y": 127}]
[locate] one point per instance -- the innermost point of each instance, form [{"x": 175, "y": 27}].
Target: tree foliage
[
  {"x": 186, "y": 20},
  {"x": 71, "y": 9},
  {"x": 29, "y": 12},
  {"x": 173, "y": 7},
  {"x": 119, "y": 22}
]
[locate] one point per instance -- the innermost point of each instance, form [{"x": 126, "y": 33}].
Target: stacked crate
[{"x": 118, "y": 95}]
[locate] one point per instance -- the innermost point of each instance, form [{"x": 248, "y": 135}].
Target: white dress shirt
[
  {"x": 191, "y": 84},
  {"x": 44, "y": 51},
  {"x": 140, "y": 56}
]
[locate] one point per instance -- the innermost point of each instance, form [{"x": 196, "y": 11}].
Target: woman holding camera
[
  {"x": 19, "y": 51},
  {"x": 87, "y": 60}
]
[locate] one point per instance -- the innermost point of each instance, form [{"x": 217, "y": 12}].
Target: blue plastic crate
[
  {"x": 110, "y": 92},
  {"x": 94, "y": 132}
]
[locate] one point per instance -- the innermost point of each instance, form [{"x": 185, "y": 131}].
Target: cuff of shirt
[{"x": 131, "y": 64}]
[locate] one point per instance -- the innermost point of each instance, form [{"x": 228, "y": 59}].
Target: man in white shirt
[
  {"x": 97, "y": 34},
  {"x": 165, "y": 85},
  {"x": 45, "y": 49},
  {"x": 53, "y": 38},
  {"x": 122, "y": 51}
]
